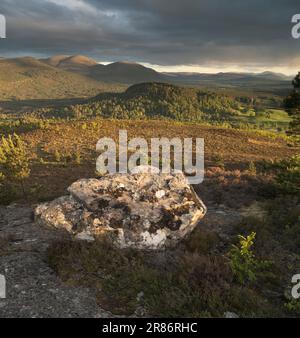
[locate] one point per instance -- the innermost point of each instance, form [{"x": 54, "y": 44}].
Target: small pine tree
[
  {"x": 252, "y": 168},
  {"x": 243, "y": 262},
  {"x": 14, "y": 163},
  {"x": 292, "y": 106},
  {"x": 77, "y": 157},
  {"x": 242, "y": 259},
  {"x": 57, "y": 156}
]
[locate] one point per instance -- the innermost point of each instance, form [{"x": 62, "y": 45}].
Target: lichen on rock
[{"x": 143, "y": 210}]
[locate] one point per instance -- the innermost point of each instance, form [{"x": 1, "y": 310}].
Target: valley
[
  {"x": 59, "y": 107},
  {"x": 149, "y": 165}
]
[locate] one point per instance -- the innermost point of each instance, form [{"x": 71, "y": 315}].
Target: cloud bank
[{"x": 249, "y": 33}]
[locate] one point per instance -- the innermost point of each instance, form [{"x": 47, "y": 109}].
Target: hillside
[
  {"x": 28, "y": 78},
  {"x": 166, "y": 101}
]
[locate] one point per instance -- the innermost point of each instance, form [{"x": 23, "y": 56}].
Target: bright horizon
[
  {"x": 289, "y": 70},
  {"x": 213, "y": 69}
]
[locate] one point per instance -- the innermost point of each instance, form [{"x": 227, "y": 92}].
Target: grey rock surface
[
  {"x": 34, "y": 291},
  {"x": 32, "y": 287}
]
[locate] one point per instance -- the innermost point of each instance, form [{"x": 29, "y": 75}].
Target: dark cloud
[{"x": 156, "y": 31}]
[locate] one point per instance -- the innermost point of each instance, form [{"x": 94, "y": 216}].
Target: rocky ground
[{"x": 33, "y": 289}]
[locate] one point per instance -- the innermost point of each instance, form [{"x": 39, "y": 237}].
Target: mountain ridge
[
  {"x": 66, "y": 76},
  {"x": 121, "y": 71}
]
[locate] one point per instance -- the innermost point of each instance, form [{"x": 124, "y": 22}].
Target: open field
[{"x": 269, "y": 119}]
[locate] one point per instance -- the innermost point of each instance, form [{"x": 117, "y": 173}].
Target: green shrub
[
  {"x": 293, "y": 306},
  {"x": 57, "y": 156},
  {"x": 14, "y": 163},
  {"x": 77, "y": 157},
  {"x": 288, "y": 178},
  {"x": 219, "y": 161},
  {"x": 286, "y": 174},
  {"x": 252, "y": 168},
  {"x": 243, "y": 262}
]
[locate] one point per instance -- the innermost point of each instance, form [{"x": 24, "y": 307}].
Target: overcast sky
[{"x": 179, "y": 35}]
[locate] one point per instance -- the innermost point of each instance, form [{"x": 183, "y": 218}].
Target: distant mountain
[
  {"x": 274, "y": 76},
  {"x": 118, "y": 72},
  {"x": 229, "y": 76},
  {"x": 63, "y": 76},
  {"x": 131, "y": 73},
  {"x": 265, "y": 81},
  {"x": 125, "y": 72},
  {"x": 29, "y": 78},
  {"x": 55, "y": 60},
  {"x": 76, "y": 63}
]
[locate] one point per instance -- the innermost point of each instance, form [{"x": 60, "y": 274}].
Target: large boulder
[{"x": 141, "y": 210}]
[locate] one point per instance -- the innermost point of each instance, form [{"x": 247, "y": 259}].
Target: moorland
[{"x": 61, "y": 106}]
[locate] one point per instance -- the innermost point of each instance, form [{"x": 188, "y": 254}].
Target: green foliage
[
  {"x": 57, "y": 156},
  {"x": 242, "y": 259},
  {"x": 287, "y": 174},
  {"x": 158, "y": 100},
  {"x": 252, "y": 168},
  {"x": 219, "y": 161},
  {"x": 77, "y": 157},
  {"x": 288, "y": 178},
  {"x": 243, "y": 262},
  {"x": 14, "y": 163},
  {"x": 293, "y": 306},
  {"x": 292, "y": 106}
]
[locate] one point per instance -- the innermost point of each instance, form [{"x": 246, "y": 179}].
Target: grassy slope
[{"x": 278, "y": 118}]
